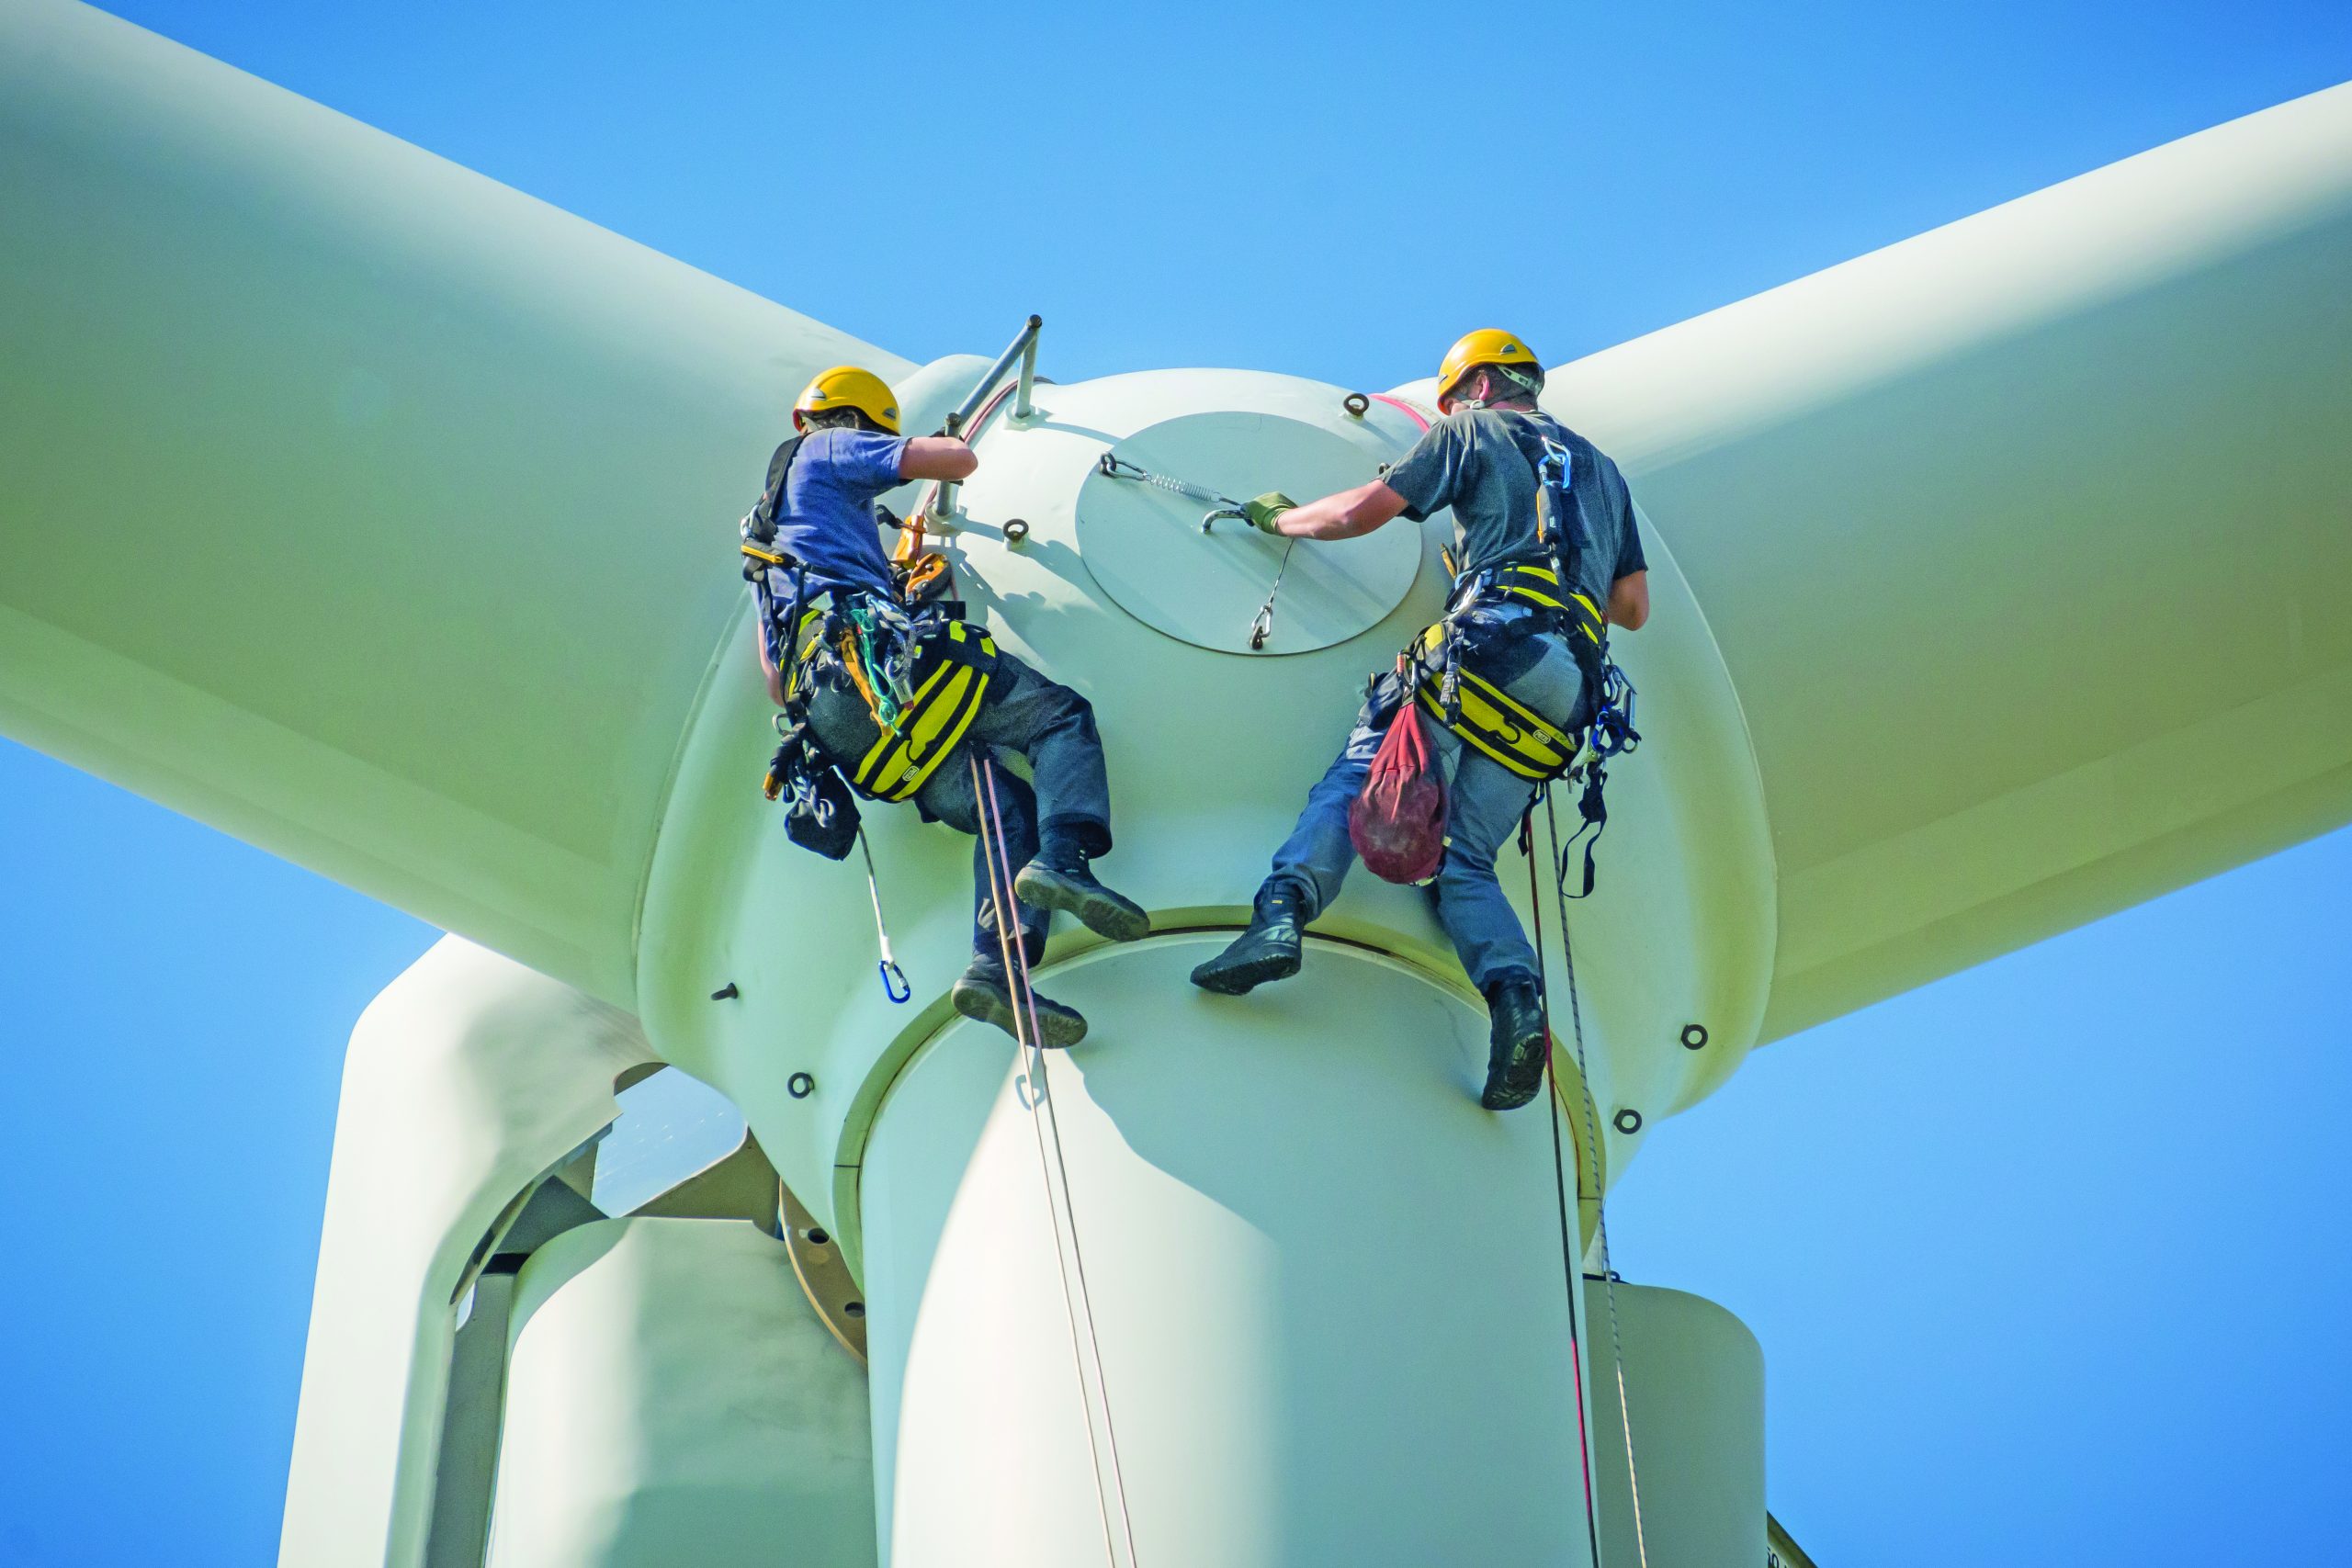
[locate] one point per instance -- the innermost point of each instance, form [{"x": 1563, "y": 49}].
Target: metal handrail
[{"x": 1023, "y": 348}]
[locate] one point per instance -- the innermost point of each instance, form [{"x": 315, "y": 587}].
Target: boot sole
[
  {"x": 1506, "y": 1097},
  {"x": 1055, "y": 1030},
  {"x": 1099, "y": 910},
  {"x": 1509, "y": 1091},
  {"x": 1239, "y": 980}
]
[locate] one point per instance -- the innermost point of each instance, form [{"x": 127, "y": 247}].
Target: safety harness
[
  {"x": 1475, "y": 707},
  {"x": 1441, "y": 663},
  {"x": 921, "y": 671}
]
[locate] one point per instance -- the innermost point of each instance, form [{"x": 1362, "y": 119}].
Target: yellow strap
[
  {"x": 1502, "y": 727},
  {"x": 870, "y": 767},
  {"x": 930, "y": 723},
  {"x": 1515, "y": 761},
  {"x": 1513, "y": 714},
  {"x": 946, "y": 735}
]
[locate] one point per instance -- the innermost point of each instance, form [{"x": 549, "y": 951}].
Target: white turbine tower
[{"x": 380, "y": 515}]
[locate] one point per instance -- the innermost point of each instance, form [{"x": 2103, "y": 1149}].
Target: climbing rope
[
  {"x": 1569, "y": 1271},
  {"x": 1599, "y": 1200},
  {"x": 1037, "y": 1092}
]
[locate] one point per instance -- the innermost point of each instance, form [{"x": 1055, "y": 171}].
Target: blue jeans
[
  {"x": 1043, "y": 721},
  {"x": 1486, "y": 803}
]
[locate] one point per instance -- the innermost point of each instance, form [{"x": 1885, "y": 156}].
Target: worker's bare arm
[
  {"x": 768, "y": 668},
  {"x": 1344, "y": 516},
  {"x": 1629, "y": 601},
  {"x": 937, "y": 458}
]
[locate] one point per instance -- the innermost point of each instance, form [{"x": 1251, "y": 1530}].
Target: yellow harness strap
[
  {"x": 931, "y": 721},
  {"x": 1540, "y": 585},
  {"x": 1487, "y": 717}
]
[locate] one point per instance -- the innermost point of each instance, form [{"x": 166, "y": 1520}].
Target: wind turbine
[{"x": 444, "y": 614}]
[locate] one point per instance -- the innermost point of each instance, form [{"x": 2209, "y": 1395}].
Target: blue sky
[{"x": 2049, "y": 1259}]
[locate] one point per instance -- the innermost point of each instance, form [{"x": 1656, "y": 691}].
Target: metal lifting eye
[
  {"x": 800, "y": 1086},
  {"x": 1016, "y": 530},
  {"x": 1357, "y": 404},
  {"x": 1628, "y": 1121}
]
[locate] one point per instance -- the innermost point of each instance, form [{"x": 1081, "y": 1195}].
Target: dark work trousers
[{"x": 1043, "y": 721}]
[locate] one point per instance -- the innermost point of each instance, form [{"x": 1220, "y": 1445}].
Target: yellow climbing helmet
[
  {"x": 1488, "y": 345},
  {"x": 847, "y": 387}
]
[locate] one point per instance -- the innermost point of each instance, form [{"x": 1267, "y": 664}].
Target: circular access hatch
[{"x": 1146, "y": 547}]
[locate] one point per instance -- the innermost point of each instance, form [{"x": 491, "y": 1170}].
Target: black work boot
[
  {"x": 985, "y": 992},
  {"x": 1268, "y": 950},
  {"x": 1519, "y": 1041},
  {"x": 1059, "y": 878}
]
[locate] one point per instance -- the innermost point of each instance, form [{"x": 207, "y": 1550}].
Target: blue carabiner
[{"x": 894, "y": 981}]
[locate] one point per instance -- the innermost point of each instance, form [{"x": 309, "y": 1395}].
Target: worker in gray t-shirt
[{"x": 1515, "y": 622}]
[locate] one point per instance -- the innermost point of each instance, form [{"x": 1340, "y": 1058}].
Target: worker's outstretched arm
[
  {"x": 1341, "y": 516},
  {"x": 1629, "y": 601},
  {"x": 937, "y": 458}
]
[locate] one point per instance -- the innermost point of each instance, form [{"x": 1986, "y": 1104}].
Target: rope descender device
[
  {"x": 894, "y": 979},
  {"x": 1110, "y": 465}
]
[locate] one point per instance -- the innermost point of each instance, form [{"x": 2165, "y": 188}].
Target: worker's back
[
  {"x": 824, "y": 515},
  {"x": 1481, "y": 462}
]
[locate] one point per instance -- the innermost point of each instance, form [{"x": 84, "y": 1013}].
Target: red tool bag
[{"x": 1397, "y": 822}]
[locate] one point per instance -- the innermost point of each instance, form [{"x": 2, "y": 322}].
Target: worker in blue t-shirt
[
  {"x": 1515, "y": 622},
  {"x": 833, "y": 598}
]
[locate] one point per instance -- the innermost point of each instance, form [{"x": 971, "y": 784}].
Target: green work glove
[{"x": 1266, "y": 510}]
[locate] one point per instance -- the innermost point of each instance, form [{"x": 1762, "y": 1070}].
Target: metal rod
[
  {"x": 1021, "y": 407},
  {"x": 1024, "y": 345},
  {"x": 1023, "y": 348}
]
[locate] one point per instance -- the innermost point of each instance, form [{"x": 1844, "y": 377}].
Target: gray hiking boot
[
  {"x": 1067, "y": 883},
  {"x": 984, "y": 992}
]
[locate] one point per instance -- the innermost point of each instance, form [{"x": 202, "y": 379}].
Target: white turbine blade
[
  {"x": 356, "y": 504},
  {"x": 2026, "y": 543}
]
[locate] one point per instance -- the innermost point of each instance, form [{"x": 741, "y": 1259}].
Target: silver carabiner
[{"x": 894, "y": 979}]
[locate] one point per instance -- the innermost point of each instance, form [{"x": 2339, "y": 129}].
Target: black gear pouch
[{"x": 819, "y": 813}]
